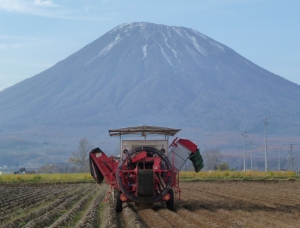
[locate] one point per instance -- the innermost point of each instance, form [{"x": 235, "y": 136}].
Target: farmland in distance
[{"x": 202, "y": 204}]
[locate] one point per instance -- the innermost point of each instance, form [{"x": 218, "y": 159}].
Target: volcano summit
[{"x": 143, "y": 74}]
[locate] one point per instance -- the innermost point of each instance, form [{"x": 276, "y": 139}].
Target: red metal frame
[
  {"x": 108, "y": 167},
  {"x": 128, "y": 171},
  {"x": 129, "y": 177},
  {"x": 122, "y": 174}
]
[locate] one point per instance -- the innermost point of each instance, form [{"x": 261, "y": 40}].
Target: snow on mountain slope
[{"x": 144, "y": 73}]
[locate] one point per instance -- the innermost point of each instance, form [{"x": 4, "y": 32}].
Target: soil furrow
[
  {"x": 21, "y": 221},
  {"x": 174, "y": 219},
  {"x": 92, "y": 216},
  {"x": 68, "y": 218},
  {"x": 130, "y": 218},
  {"x": 152, "y": 219},
  {"x": 204, "y": 204}
]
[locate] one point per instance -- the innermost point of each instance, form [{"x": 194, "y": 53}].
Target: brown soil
[{"x": 202, "y": 204}]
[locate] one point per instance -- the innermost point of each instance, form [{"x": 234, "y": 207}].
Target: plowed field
[{"x": 202, "y": 204}]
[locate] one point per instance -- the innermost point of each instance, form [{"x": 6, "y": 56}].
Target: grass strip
[
  {"x": 46, "y": 178},
  {"x": 184, "y": 176},
  {"x": 242, "y": 176}
]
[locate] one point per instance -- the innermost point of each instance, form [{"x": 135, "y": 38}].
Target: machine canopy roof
[{"x": 144, "y": 130}]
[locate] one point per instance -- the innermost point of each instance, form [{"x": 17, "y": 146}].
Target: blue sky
[{"x": 36, "y": 34}]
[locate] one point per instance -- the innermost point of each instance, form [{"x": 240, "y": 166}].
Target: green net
[{"x": 197, "y": 161}]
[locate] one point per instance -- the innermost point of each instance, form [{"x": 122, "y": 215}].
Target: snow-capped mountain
[{"x": 146, "y": 74}]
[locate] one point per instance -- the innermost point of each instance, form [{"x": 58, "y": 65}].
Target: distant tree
[
  {"x": 223, "y": 166},
  {"x": 80, "y": 158},
  {"x": 55, "y": 168},
  {"x": 47, "y": 168},
  {"x": 212, "y": 158}
]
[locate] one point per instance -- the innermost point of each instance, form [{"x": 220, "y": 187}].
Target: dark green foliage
[{"x": 223, "y": 166}]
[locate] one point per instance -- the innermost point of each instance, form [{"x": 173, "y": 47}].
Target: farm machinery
[{"x": 146, "y": 171}]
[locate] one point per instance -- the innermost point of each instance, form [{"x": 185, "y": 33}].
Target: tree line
[{"x": 213, "y": 160}]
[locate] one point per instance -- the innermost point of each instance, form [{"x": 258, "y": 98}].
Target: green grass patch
[
  {"x": 46, "y": 178},
  {"x": 243, "y": 176}
]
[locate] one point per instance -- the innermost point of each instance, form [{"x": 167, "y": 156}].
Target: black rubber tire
[
  {"x": 171, "y": 202},
  {"x": 118, "y": 202},
  {"x": 145, "y": 183}
]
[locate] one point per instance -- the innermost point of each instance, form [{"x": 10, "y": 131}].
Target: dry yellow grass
[
  {"x": 185, "y": 176},
  {"x": 45, "y": 178},
  {"x": 233, "y": 175}
]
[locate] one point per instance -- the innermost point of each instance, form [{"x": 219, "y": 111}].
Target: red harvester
[{"x": 145, "y": 172}]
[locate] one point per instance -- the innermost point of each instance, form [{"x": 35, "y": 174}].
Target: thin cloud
[
  {"x": 9, "y": 46},
  {"x": 48, "y": 8},
  {"x": 16, "y": 46},
  {"x": 45, "y": 8},
  {"x": 13, "y": 5},
  {"x": 14, "y": 37},
  {"x": 16, "y": 42},
  {"x": 47, "y": 3}
]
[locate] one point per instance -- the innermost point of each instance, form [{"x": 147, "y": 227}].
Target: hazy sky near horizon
[{"x": 36, "y": 34}]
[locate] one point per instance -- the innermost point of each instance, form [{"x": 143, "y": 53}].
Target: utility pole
[
  {"x": 298, "y": 164},
  {"x": 278, "y": 160},
  {"x": 244, "y": 135},
  {"x": 251, "y": 152},
  {"x": 291, "y": 159},
  {"x": 266, "y": 160}
]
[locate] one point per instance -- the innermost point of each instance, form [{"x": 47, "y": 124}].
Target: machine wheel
[
  {"x": 117, "y": 201},
  {"x": 171, "y": 202}
]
